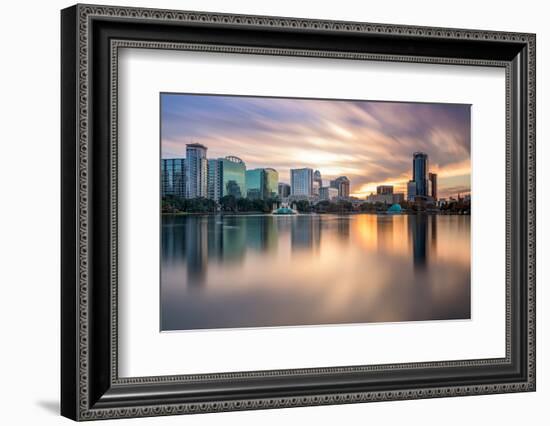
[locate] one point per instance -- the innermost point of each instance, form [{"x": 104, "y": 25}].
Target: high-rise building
[
  {"x": 342, "y": 184},
  {"x": 433, "y": 185},
  {"x": 420, "y": 173},
  {"x": 328, "y": 193},
  {"x": 411, "y": 190},
  {"x": 262, "y": 184},
  {"x": 343, "y": 190},
  {"x": 255, "y": 184},
  {"x": 384, "y": 189},
  {"x": 214, "y": 188},
  {"x": 271, "y": 183},
  {"x": 317, "y": 179},
  {"x": 284, "y": 190},
  {"x": 232, "y": 177},
  {"x": 301, "y": 182},
  {"x": 173, "y": 177},
  {"x": 196, "y": 173}
]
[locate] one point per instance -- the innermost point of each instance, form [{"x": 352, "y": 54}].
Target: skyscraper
[
  {"x": 301, "y": 182},
  {"x": 411, "y": 190},
  {"x": 255, "y": 184},
  {"x": 173, "y": 177},
  {"x": 196, "y": 173},
  {"x": 214, "y": 180},
  {"x": 420, "y": 173},
  {"x": 232, "y": 177},
  {"x": 342, "y": 184},
  {"x": 271, "y": 183},
  {"x": 262, "y": 184},
  {"x": 343, "y": 189},
  {"x": 433, "y": 185}
]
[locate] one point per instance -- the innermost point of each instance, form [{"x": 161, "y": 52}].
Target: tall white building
[
  {"x": 301, "y": 182},
  {"x": 196, "y": 171}
]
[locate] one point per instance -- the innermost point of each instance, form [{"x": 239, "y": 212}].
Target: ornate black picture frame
[{"x": 91, "y": 387}]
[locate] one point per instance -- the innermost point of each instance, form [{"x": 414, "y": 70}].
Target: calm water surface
[{"x": 253, "y": 271}]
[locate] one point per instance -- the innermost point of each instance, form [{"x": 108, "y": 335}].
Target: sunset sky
[{"x": 369, "y": 142}]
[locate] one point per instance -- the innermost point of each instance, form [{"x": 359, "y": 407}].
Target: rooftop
[
  {"x": 196, "y": 145},
  {"x": 234, "y": 159}
]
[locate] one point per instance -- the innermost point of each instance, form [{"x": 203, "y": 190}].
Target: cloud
[{"x": 370, "y": 142}]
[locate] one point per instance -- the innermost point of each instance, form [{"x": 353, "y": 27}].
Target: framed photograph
[{"x": 263, "y": 212}]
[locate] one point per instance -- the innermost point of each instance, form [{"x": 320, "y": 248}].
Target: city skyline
[
  {"x": 197, "y": 176},
  {"x": 369, "y": 142}
]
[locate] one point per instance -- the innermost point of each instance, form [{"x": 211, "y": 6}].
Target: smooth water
[{"x": 264, "y": 270}]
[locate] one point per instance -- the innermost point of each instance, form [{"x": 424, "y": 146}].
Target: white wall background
[{"x": 29, "y": 213}]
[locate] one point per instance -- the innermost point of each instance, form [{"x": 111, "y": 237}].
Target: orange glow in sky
[{"x": 370, "y": 142}]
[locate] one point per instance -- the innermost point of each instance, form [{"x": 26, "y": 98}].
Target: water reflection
[
  {"x": 305, "y": 232},
  {"x": 250, "y": 271},
  {"x": 419, "y": 232}
]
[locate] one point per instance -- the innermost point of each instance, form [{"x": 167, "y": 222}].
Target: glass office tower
[
  {"x": 271, "y": 189},
  {"x": 433, "y": 185},
  {"x": 173, "y": 177},
  {"x": 420, "y": 173},
  {"x": 301, "y": 182},
  {"x": 233, "y": 177},
  {"x": 262, "y": 184},
  {"x": 255, "y": 184}
]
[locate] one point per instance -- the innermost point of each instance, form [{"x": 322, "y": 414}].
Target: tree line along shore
[{"x": 232, "y": 205}]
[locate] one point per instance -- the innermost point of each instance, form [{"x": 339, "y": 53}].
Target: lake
[{"x": 262, "y": 270}]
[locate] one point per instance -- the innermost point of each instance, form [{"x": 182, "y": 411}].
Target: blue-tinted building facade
[
  {"x": 301, "y": 182},
  {"x": 173, "y": 177},
  {"x": 420, "y": 173},
  {"x": 233, "y": 177},
  {"x": 411, "y": 190},
  {"x": 255, "y": 184},
  {"x": 262, "y": 184}
]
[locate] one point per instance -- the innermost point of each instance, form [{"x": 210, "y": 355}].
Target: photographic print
[{"x": 300, "y": 212}]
